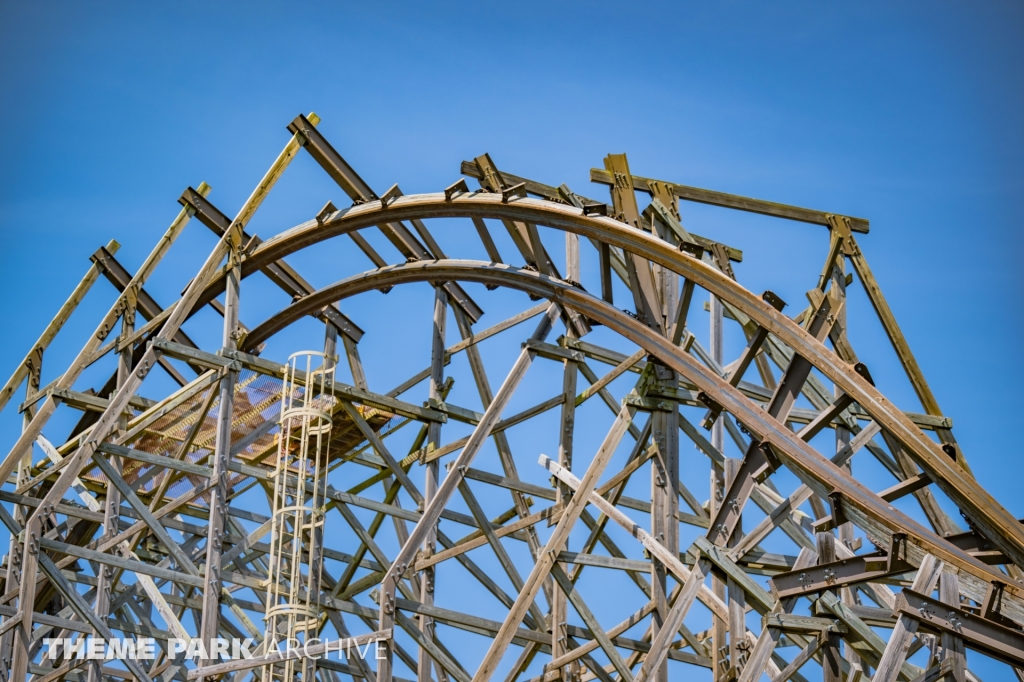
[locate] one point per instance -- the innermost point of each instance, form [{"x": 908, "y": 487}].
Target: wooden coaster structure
[{"x": 151, "y": 518}]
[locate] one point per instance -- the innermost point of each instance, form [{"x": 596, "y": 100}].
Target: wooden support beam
[
  {"x": 750, "y": 352},
  {"x": 650, "y": 543},
  {"x": 665, "y": 488},
  {"x": 85, "y": 613},
  {"x": 567, "y": 430},
  {"x": 448, "y": 487},
  {"x": 431, "y": 473},
  {"x": 761, "y": 654},
  {"x": 952, "y": 643},
  {"x": 505, "y": 456},
  {"x": 645, "y": 295},
  {"x": 888, "y": 319},
  {"x": 830, "y": 659},
  {"x": 805, "y": 655},
  {"x": 29, "y": 366},
  {"x": 357, "y": 189},
  {"x": 557, "y": 540},
  {"x": 558, "y": 194},
  {"x": 978, "y": 633},
  {"x": 279, "y": 272},
  {"x": 673, "y": 621},
  {"x": 706, "y": 196},
  {"x": 560, "y": 662},
  {"x": 895, "y": 653},
  {"x": 210, "y": 622},
  {"x": 863, "y": 638},
  {"x": 590, "y": 620},
  {"x": 799, "y": 496},
  {"x": 905, "y": 487},
  {"x": 758, "y": 461}
]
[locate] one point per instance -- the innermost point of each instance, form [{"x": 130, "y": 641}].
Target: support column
[
  {"x": 830, "y": 660},
  {"x": 431, "y": 477},
  {"x": 664, "y": 509},
  {"x": 737, "y": 596},
  {"x": 843, "y": 438},
  {"x": 316, "y": 550},
  {"x": 567, "y": 419},
  {"x": 354, "y": 361},
  {"x": 952, "y": 646},
  {"x": 330, "y": 346},
  {"x": 719, "y": 650},
  {"x": 210, "y": 623},
  {"x": 432, "y": 512},
  {"x": 665, "y": 435},
  {"x": 112, "y": 505},
  {"x": 14, "y": 557}
]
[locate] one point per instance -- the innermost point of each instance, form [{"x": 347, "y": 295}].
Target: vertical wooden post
[
  {"x": 210, "y": 624},
  {"x": 432, "y": 473},
  {"x": 895, "y": 652},
  {"x": 665, "y": 504},
  {"x": 112, "y": 505},
  {"x": 952, "y": 646},
  {"x": 354, "y": 361},
  {"x": 330, "y": 345},
  {"x": 316, "y": 557},
  {"x": 14, "y": 557},
  {"x": 737, "y": 596},
  {"x": 830, "y": 663},
  {"x": 718, "y": 488},
  {"x": 665, "y": 463},
  {"x": 559, "y": 612},
  {"x": 316, "y": 550},
  {"x": 843, "y": 438}
]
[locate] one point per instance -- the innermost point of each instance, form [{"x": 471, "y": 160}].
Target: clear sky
[{"x": 908, "y": 114}]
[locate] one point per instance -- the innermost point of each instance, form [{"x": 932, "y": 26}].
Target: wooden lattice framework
[{"x": 150, "y": 518}]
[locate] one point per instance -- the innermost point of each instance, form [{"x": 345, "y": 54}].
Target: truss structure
[{"x": 469, "y": 528}]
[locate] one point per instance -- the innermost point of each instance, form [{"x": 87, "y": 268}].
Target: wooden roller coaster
[{"x": 581, "y": 429}]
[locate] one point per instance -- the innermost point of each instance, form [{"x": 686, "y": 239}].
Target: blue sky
[{"x": 907, "y": 114}]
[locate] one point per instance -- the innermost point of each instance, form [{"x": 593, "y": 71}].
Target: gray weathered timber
[{"x": 155, "y": 514}]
